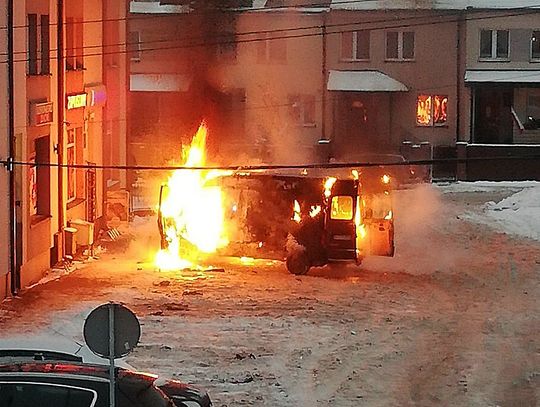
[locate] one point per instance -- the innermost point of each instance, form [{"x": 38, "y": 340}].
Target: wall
[{"x": 433, "y": 71}]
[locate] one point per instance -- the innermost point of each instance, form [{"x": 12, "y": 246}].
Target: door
[
  {"x": 340, "y": 226},
  {"x": 377, "y": 236}
]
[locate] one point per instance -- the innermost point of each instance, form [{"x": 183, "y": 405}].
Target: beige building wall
[{"x": 434, "y": 69}]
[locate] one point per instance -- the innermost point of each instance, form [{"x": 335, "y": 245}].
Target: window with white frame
[
  {"x": 302, "y": 109},
  {"x": 134, "y": 46},
  {"x": 494, "y": 44},
  {"x": 535, "y": 45},
  {"x": 400, "y": 45},
  {"x": 431, "y": 110},
  {"x": 355, "y": 45}
]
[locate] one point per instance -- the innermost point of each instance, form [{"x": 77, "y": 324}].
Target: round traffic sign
[{"x": 126, "y": 332}]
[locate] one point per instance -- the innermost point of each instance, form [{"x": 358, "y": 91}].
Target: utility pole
[{"x": 61, "y": 104}]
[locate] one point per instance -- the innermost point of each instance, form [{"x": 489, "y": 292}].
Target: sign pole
[{"x": 111, "y": 356}]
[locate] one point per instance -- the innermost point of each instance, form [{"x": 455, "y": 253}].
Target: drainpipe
[
  {"x": 61, "y": 103},
  {"x": 13, "y": 266},
  {"x": 323, "y": 119},
  {"x": 458, "y": 76}
]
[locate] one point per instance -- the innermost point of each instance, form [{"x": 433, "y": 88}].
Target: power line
[
  {"x": 314, "y": 27},
  {"x": 247, "y": 168}
]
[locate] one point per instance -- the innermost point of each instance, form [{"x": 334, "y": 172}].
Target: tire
[{"x": 298, "y": 263}]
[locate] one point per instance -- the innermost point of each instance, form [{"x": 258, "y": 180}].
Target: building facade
[{"x": 58, "y": 111}]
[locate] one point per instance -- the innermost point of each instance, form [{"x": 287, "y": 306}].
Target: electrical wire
[
  {"x": 248, "y": 168},
  {"x": 227, "y": 41}
]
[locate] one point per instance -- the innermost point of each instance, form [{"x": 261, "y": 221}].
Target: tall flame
[{"x": 192, "y": 209}]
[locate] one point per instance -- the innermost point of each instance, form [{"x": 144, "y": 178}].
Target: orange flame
[{"x": 193, "y": 208}]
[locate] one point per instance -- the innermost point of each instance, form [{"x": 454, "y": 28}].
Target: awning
[
  {"x": 508, "y": 76},
  {"x": 159, "y": 83},
  {"x": 363, "y": 81}
]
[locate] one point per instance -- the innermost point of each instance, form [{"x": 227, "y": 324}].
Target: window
[
  {"x": 45, "y": 394},
  {"x": 271, "y": 49},
  {"x": 494, "y": 44},
  {"x": 535, "y": 45},
  {"x": 74, "y": 44},
  {"x": 533, "y": 110},
  {"x": 134, "y": 46},
  {"x": 39, "y": 180},
  {"x": 400, "y": 45},
  {"x": 355, "y": 45},
  {"x": 45, "y": 46},
  {"x": 75, "y": 179},
  {"x": 38, "y": 44},
  {"x": 342, "y": 207},
  {"x": 227, "y": 49},
  {"x": 302, "y": 109},
  {"x": 431, "y": 110}
]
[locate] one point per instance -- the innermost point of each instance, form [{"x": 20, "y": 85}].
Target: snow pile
[{"x": 518, "y": 214}]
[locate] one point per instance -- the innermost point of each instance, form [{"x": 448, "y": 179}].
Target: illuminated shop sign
[
  {"x": 97, "y": 95},
  {"x": 41, "y": 113},
  {"x": 76, "y": 101}
]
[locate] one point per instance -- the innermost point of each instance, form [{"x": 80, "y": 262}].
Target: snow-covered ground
[
  {"x": 517, "y": 214},
  {"x": 451, "y": 320}
]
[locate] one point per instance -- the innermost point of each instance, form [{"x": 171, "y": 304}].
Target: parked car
[{"x": 73, "y": 377}]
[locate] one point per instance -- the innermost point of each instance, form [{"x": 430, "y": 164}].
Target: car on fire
[
  {"x": 313, "y": 218},
  {"x": 67, "y": 374}
]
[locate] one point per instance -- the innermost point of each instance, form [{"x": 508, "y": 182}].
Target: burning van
[{"x": 305, "y": 217}]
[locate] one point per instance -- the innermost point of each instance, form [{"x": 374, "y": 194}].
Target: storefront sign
[
  {"x": 41, "y": 113},
  {"x": 97, "y": 95},
  {"x": 76, "y": 101}
]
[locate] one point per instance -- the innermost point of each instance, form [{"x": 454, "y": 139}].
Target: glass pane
[
  {"x": 485, "y": 44},
  {"x": 423, "y": 110},
  {"x": 37, "y": 394},
  {"x": 342, "y": 207},
  {"x": 408, "y": 45},
  {"x": 440, "y": 112},
  {"x": 346, "y": 45},
  {"x": 362, "y": 44},
  {"x": 535, "y": 45},
  {"x": 391, "y": 45},
  {"x": 502, "y": 44}
]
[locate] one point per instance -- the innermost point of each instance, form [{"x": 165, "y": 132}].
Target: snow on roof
[
  {"x": 363, "y": 81},
  {"x": 431, "y": 4}
]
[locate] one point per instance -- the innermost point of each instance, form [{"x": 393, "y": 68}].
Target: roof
[
  {"x": 502, "y": 76},
  {"x": 431, "y": 4},
  {"x": 363, "y": 81}
]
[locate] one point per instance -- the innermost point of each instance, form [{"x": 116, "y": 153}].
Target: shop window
[
  {"x": 494, "y": 44},
  {"x": 431, "y": 110},
  {"x": 271, "y": 49},
  {"x": 39, "y": 180},
  {"x": 355, "y": 45},
  {"x": 134, "y": 46},
  {"x": 535, "y": 46},
  {"x": 342, "y": 207},
  {"x": 227, "y": 48},
  {"x": 400, "y": 45},
  {"x": 74, "y": 44},
  {"x": 75, "y": 180},
  {"x": 302, "y": 109}
]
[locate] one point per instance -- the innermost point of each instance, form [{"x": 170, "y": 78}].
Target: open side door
[{"x": 378, "y": 222}]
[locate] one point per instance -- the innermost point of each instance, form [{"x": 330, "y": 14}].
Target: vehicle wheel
[{"x": 298, "y": 262}]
